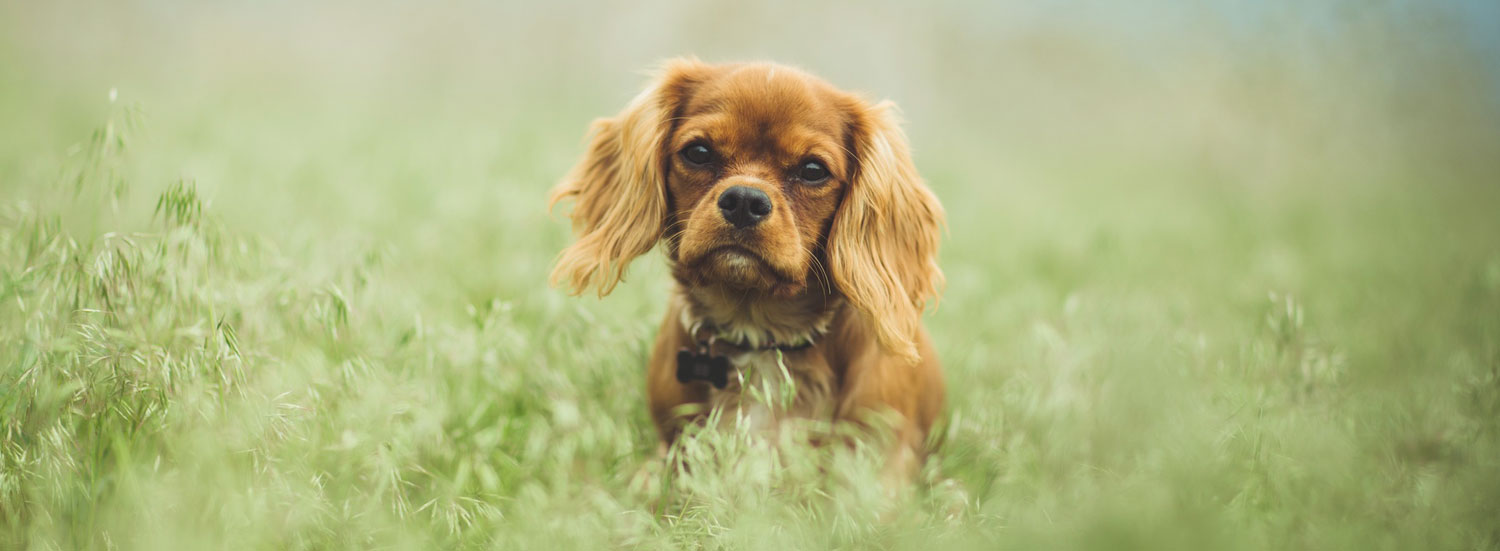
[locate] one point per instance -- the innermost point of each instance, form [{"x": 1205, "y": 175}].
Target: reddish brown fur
[{"x": 851, "y": 261}]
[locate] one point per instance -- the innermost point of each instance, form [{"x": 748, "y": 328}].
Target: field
[{"x": 274, "y": 277}]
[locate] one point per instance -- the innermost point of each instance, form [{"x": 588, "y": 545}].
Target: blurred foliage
[{"x": 272, "y": 275}]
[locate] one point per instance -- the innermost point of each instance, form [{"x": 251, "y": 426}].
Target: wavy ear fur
[
  {"x": 620, "y": 186},
  {"x": 882, "y": 248}
]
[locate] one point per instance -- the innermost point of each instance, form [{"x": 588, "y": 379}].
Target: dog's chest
[{"x": 769, "y": 386}]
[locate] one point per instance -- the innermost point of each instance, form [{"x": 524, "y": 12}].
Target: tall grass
[{"x": 1243, "y": 295}]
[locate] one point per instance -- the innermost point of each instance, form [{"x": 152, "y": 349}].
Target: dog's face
[
  {"x": 759, "y": 178},
  {"x": 757, "y": 169}
]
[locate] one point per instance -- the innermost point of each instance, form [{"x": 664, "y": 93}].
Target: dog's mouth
[
  {"x": 737, "y": 266},
  {"x": 737, "y": 258},
  {"x": 737, "y": 253}
]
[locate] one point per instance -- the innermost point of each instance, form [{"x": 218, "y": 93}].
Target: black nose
[{"x": 744, "y": 206}]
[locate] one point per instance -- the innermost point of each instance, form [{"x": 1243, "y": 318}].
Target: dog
[{"x": 801, "y": 240}]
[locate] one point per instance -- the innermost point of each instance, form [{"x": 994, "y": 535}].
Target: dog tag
[{"x": 693, "y": 366}]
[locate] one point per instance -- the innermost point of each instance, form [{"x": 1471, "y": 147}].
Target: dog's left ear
[
  {"x": 620, "y": 184},
  {"x": 882, "y": 248}
]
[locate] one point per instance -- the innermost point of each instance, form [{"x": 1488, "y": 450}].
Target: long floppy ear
[
  {"x": 882, "y": 248},
  {"x": 620, "y": 185}
]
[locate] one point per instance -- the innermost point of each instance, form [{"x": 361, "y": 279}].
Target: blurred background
[
  {"x": 346, "y": 120},
  {"x": 1221, "y": 274},
  {"x": 1016, "y": 92}
]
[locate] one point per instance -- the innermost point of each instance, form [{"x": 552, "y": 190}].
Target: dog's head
[{"x": 760, "y": 178}]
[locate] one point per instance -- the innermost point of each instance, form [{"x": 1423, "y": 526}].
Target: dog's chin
[{"x": 742, "y": 269}]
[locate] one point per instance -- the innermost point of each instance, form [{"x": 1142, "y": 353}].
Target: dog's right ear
[
  {"x": 620, "y": 184},
  {"x": 883, "y": 244}
]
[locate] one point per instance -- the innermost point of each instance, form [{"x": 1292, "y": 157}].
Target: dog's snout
[{"x": 744, "y": 206}]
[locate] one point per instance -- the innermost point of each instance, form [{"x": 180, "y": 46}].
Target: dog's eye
[
  {"x": 812, "y": 172},
  {"x": 698, "y": 154}
]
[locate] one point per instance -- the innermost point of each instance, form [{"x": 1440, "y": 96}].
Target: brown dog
[{"x": 796, "y": 229}]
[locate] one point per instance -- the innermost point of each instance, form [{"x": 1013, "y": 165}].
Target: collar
[
  {"x": 710, "y": 337},
  {"x": 743, "y": 338},
  {"x": 708, "y": 360}
]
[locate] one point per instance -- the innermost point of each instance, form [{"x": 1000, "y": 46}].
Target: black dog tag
[{"x": 694, "y": 366}]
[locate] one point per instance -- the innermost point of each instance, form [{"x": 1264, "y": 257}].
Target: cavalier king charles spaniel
[{"x": 799, "y": 236}]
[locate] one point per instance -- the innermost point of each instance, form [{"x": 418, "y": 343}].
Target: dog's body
[
  {"x": 843, "y": 375},
  {"x": 802, "y": 241}
]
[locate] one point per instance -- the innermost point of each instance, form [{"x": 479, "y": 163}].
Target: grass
[{"x": 1260, "y": 311}]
